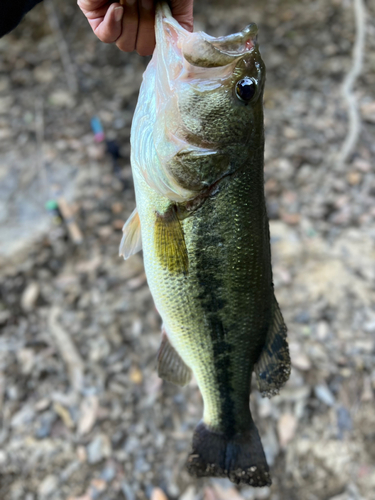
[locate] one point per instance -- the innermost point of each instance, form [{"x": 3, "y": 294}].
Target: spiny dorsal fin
[
  {"x": 170, "y": 365},
  {"x": 131, "y": 241},
  {"x": 170, "y": 242},
  {"x": 273, "y": 367}
]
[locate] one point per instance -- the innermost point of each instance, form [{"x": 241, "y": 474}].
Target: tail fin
[{"x": 240, "y": 458}]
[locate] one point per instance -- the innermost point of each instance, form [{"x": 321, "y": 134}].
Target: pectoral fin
[
  {"x": 131, "y": 241},
  {"x": 170, "y": 242},
  {"x": 273, "y": 367},
  {"x": 170, "y": 365}
]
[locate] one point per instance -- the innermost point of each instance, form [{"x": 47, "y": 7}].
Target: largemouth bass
[{"x": 197, "y": 159}]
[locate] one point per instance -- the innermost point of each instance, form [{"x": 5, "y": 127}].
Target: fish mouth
[{"x": 205, "y": 51}]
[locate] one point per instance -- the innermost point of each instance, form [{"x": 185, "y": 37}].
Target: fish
[{"x": 197, "y": 155}]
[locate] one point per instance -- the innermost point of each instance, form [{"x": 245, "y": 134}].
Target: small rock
[
  {"x": 118, "y": 224},
  {"x": 367, "y": 394},
  {"x": 286, "y": 427},
  {"x": 81, "y": 453},
  {"x": 105, "y": 232},
  {"x": 354, "y": 178},
  {"x": 61, "y": 99},
  {"x": 290, "y": 218},
  {"x": 99, "y": 485},
  {"x": 158, "y": 494},
  {"x": 98, "y": 449},
  {"x": 344, "y": 421},
  {"x": 4, "y": 316},
  {"x": 262, "y": 493},
  {"x": 46, "y": 421},
  {"x": 136, "y": 375},
  {"x": 23, "y": 417},
  {"x": 30, "y": 296},
  {"x": 64, "y": 414},
  {"x": 324, "y": 394},
  {"x": 117, "y": 207},
  {"x": 362, "y": 165},
  {"x": 88, "y": 414},
  {"x": 222, "y": 493},
  {"x": 26, "y": 359},
  {"x": 108, "y": 473},
  {"x": 127, "y": 491},
  {"x": 188, "y": 494},
  {"x": 322, "y": 330},
  {"x": 48, "y": 486},
  {"x": 368, "y": 111},
  {"x": 42, "y": 404},
  {"x": 209, "y": 494},
  {"x": 3, "y": 457},
  {"x": 301, "y": 361}
]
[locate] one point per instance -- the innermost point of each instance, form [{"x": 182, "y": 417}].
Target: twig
[
  {"x": 350, "y": 79},
  {"x": 67, "y": 349},
  {"x": 63, "y": 47},
  {"x": 74, "y": 231}
]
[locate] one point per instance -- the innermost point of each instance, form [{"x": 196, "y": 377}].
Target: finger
[
  {"x": 146, "y": 32},
  {"x": 106, "y": 22},
  {"x": 182, "y": 11},
  {"x": 127, "y": 40}
]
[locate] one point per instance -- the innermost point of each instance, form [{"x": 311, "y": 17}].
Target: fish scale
[{"x": 197, "y": 160}]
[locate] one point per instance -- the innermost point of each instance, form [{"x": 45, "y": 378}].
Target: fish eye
[{"x": 245, "y": 89}]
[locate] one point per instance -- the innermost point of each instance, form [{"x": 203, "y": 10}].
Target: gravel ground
[{"x": 83, "y": 414}]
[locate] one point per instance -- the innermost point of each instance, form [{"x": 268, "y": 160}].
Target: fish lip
[{"x": 237, "y": 43}]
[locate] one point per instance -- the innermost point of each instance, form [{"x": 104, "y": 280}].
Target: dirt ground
[{"x": 83, "y": 414}]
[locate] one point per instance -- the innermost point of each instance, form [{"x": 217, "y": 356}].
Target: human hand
[{"x": 131, "y": 25}]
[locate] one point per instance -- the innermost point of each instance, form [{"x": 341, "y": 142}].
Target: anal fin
[
  {"x": 170, "y": 365},
  {"x": 273, "y": 366},
  {"x": 131, "y": 242}
]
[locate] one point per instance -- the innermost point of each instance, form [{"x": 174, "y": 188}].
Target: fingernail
[
  {"x": 130, "y": 2},
  {"x": 118, "y": 13}
]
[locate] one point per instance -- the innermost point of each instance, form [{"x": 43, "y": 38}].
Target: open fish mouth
[
  {"x": 206, "y": 51},
  {"x": 203, "y": 50}
]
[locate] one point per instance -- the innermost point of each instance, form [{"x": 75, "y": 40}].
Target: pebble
[
  {"x": 344, "y": 420},
  {"x": 108, "y": 473},
  {"x": 30, "y": 296},
  {"x": 64, "y": 414},
  {"x": 286, "y": 428},
  {"x": 48, "y": 486},
  {"x": 158, "y": 494},
  {"x": 98, "y": 449},
  {"x": 3, "y": 458},
  {"x": 45, "y": 422},
  {"x": 301, "y": 361},
  {"x": 23, "y": 417},
  {"x": 324, "y": 394},
  {"x": 188, "y": 494},
  {"x": 88, "y": 414},
  {"x": 61, "y": 99},
  {"x": 127, "y": 491}
]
